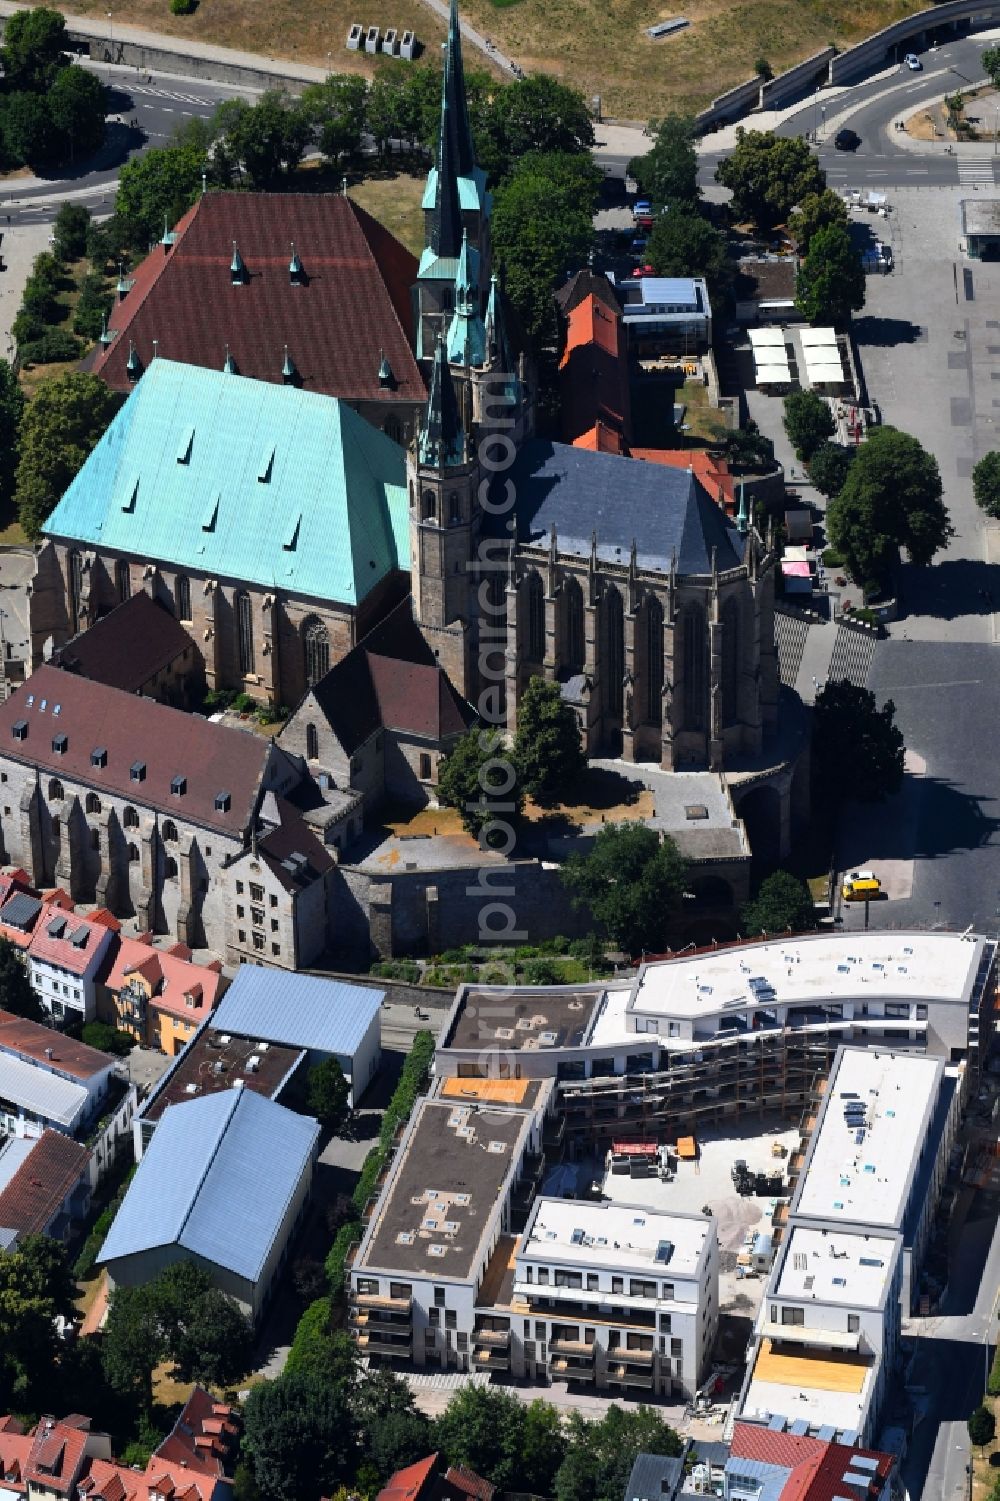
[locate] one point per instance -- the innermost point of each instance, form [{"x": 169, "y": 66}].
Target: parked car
[
  {"x": 847, "y": 140},
  {"x": 640, "y": 207},
  {"x": 638, "y": 246},
  {"x": 913, "y": 62}
]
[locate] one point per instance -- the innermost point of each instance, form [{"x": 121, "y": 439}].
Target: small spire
[
  {"x": 289, "y": 374},
  {"x": 512, "y": 565},
  {"x": 443, "y": 441},
  {"x": 295, "y": 272},
  {"x": 742, "y": 519},
  {"x": 237, "y": 267},
  {"x": 156, "y": 348},
  {"x": 385, "y": 375},
  {"x": 107, "y": 334},
  {"x": 124, "y": 286},
  {"x": 133, "y": 365},
  {"x": 229, "y": 364}
]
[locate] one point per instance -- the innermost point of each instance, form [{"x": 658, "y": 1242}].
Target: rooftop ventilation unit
[
  {"x": 436, "y": 1250},
  {"x": 496, "y": 1147}
]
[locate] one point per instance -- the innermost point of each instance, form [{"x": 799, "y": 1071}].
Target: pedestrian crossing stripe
[{"x": 973, "y": 170}]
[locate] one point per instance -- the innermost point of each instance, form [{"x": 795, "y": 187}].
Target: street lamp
[
  {"x": 996, "y": 127},
  {"x": 111, "y": 35},
  {"x": 822, "y": 119}
]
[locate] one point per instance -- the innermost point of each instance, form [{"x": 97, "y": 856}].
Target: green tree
[
  {"x": 816, "y": 211},
  {"x": 16, "y": 992},
  {"x": 857, "y": 748},
  {"x": 476, "y": 780},
  {"x": 388, "y": 115},
  {"x": 58, "y": 430},
  {"x": 543, "y": 227},
  {"x": 982, "y": 1426},
  {"x": 990, "y": 59},
  {"x": 132, "y": 1343},
  {"x": 543, "y": 1447},
  {"x": 747, "y": 450},
  {"x": 76, "y": 104},
  {"x": 829, "y": 467},
  {"x": 107, "y": 1039},
  {"x": 892, "y": 498},
  {"x": 393, "y": 1433},
  {"x": 685, "y": 244},
  {"x": 320, "y": 1350},
  {"x": 218, "y": 1344},
  {"x": 768, "y": 175},
  {"x": 161, "y": 184},
  {"x": 34, "y": 49},
  {"x": 986, "y": 479},
  {"x": 482, "y": 1428},
  {"x": 11, "y": 412},
  {"x": 267, "y": 140},
  {"x": 783, "y": 903},
  {"x": 548, "y": 751},
  {"x": 174, "y": 1293},
  {"x": 29, "y": 137},
  {"x": 70, "y": 230},
  {"x": 668, "y": 173},
  {"x": 808, "y": 421},
  {"x": 633, "y": 883},
  {"x": 328, "y": 1093},
  {"x": 36, "y": 1288},
  {"x": 298, "y": 1437},
  {"x": 600, "y": 1455},
  {"x": 830, "y": 283},
  {"x": 533, "y": 115},
  {"x": 335, "y": 109}
]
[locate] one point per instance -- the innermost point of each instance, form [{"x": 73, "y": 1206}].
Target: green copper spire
[
  {"x": 466, "y": 333},
  {"x": 237, "y": 268},
  {"x": 456, "y": 157},
  {"x": 742, "y": 519},
  {"x": 442, "y": 441}
]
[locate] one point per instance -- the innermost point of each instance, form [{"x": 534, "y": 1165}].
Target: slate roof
[
  {"x": 299, "y": 1011},
  {"x": 654, "y": 1477},
  {"x": 211, "y": 757},
  {"x": 243, "y": 480},
  {"x": 34, "y": 1195},
  {"x": 355, "y": 298},
  {"x": 391, "y": 680},
  {"x": 129, "y": 646},
  {"x": 290, "y": 838},
  {"x": 579, "y": 492},
  {"x": 215, "y": 1180}
]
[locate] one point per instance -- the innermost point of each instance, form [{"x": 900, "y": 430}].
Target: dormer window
[
  {"x": 223, "y": 802},
  {"x": 60, "y": 744},
  {"x": 137, "y": 771},
  {"x": 178, "y": 786},
  {"x": 19, "y": 729},
  {"x": 99, "y": 756}
]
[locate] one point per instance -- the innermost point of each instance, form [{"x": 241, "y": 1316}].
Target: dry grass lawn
[
  {"x": 986, "y": 1463},
  {"x": 600, "y": 47},
  {"x": 393, "y": 198},
  {"x": 596, "y": 796}
]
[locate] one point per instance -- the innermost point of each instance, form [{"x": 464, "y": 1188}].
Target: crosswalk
[
  {"x": 155, "y": 93},
  {"x": 852, "y": 655},
  {"x": 790, "y": 639},
  {"x": 976, "y": 171}
]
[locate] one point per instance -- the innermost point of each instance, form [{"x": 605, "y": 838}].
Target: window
[
  {"x": 593, "y": 1282},
  {"x": 123, "y": 580},
  {"x": 276, "y": 949},
  {"x": 535, "y": 618},
  {"x": 693, "y": 653},
  {"x": 76, "y": 587},
  {"x": 400, "y": 1290},
  {"x": 543, "y": 1276},
  {"x": 428, "y": 506},
  {"x": 182, "y": 597},
  {"x": 439, "y": 1296},
  {"x": 462, "y": 1341},
  {"x": 258, "y": 942},
  {"x": 274, "y": 925},
  {"x": 654, "y": 661},
  {"x": 130, "y": 818},
  {"x": 56, "y": 793},
  {"x": 853, "y": 1323},
  {"x": 668, "y": 1292},
  {"x": 617, "y": 1284},
  {"x": 273, "y": 900},
  {"x": 368, "y": 1285},
  {"x": 316, "y": 649},
  {"x": 241, "y": 935},
  {"x": 240, "y": 911},
  {"x": 312, "y": 742},
  {"x": 170, "y": 869},
  {"x": 169, "y": 831},
  {"x": 93, "y": 803},
  {"x": 95, "y": 839},
  {"x": 676, "y": 1348},
  {"x": 664, "y": 1323},
  {"x": 730, "y": 661},
  {"x": 434, "y": 1317},
  {"x": 796, "y": 1316},
  {"x": 257, "y": 916},
  {"x": 639, "y": 1288},
  {"x": 563, "y": 1278},
  {"x": 239, "y": 888},
  {"x": 425, "y": 767},
  {"x": 244, "y": 631},
  {"x": 256, "y": 892},
  {"x": 450, "y": 1318},
  {"x": 133, "y": 854}
]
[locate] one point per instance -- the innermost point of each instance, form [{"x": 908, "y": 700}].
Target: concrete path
[
  {"x": 815, "y": 665},
  {"x": 485, "y": 44}
]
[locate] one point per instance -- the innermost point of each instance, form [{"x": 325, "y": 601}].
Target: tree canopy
[
  {"x": 783, "y": 903},
  {"x": 516, "y": 1447},
  {"x": 478, "y": 778},
  {"x": 158, "y": 186},
  {"x": 816, "y": 211},
  {"x": 535, "y": 115},
  {"x": 891, "y": 498},
  {"x": 335, "y": 109},
  {"x": 11, "y": 411},
  {"x": 298, "y": 1438},
  {"x": 50, "y": 108},
  {"x": 328, "y": 1093},
  {"x": 35, "y": 47},
  {"x": 857, "y": 747},
  {"x": 668, "y": 173},
  {"x": 548, "y": 750},
  {"x": 768, "y": 175},
  {"x": 829, "y": 467},
  {"x": 990, "y": 60},
  {"x": 600, "y": 1455},
  {"x": 830, "y": 284},
  {"x": 543, "y": 227},
  {"x": 808, "y": 421},
  {"x": 16, "y": 991},
  {"x": 683, "y": 243},
  {"x": 632, "y": 881},
  {"x": 985, "y": 483},
  {"x": 265, "y": 140},
  {"x": 58, "y": 429},
  {"x": 36, "y": 1287},
  {"x": 747, "y": 449}
]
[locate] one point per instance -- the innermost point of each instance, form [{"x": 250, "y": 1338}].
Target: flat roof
[
  {"x": 495, "y": 1091},
  {"x": 821, "y": 1388},
  {"x": 980, "y": 216},
  {"x": 621, "y": 1236},
  {"x": 843, "y": 1267},
  {"x": 213, "y": 1061},
  {"x": 790, "y": 971},
  {"x": 446, "y": 1179},
  {"x": 524, "y": 1020},
  {"x": 39, "y": 1092},
  {"x": 873, "y": 1122}
]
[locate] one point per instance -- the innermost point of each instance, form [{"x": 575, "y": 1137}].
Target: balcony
[
  {"x": 620, "y": 1375},
  {"x": 576, "y": 1349},
  {"x": 377, "y": 1320},
  {"x": 494, "y": 1338},
  {"x": 630, "y": 1357},
  {"x": 377, "y": 1301},
  {"x": 489, "y": 1359},
  {"x": 378, "y": 1343}
]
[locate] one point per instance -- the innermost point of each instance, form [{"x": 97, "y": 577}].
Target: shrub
[
  {"x": 993, "y": 1383},
  {"x": 336, "y": 1271},
  {"x": 244, "y": 703},
  {"x": 49, "y": 348},
  {"x": 541, "y": 972},
  {"x": 107, "y": 1039},
  {"x": 183, "y": 7}
]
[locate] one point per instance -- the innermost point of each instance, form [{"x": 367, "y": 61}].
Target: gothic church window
[
  {"x": 694, "y": 650},
  {"x": 316, "y": 646},
  {"x": 574, "y": 645},
  {"x": 730, "y": 661},
  {"x": 75, "y": 587},
  {"x": 130, "y": 818},
  {"x": 312, "y": 742},
  {"x": 123, "y": 580},
  {"x": 182, "y": 597},
  {"x": 654, "y": 660},
  {"x": 535, "y": 609},
  {"x": 613, "y": 666},
  {"x": 244, "y": 631}
]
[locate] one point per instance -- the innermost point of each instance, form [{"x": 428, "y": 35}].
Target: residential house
[
  {"x": 66, "y": 955},
  {"x": 49, "y": 1080},
  {"x": 44, "y": 1186},
  {"x": 430, "y": 1480},
  {"x": 161, "y": 996}
]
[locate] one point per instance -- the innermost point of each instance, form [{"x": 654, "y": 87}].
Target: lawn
[
  {"x": 600, "y": 48},
  {"x": 393, "y": 198}
]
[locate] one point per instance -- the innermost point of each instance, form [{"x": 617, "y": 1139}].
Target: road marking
[
  {"x": 168, "y": 111},
  {"x": 952, "y": 683}
]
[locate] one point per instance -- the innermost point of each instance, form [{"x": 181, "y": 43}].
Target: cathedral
[{"x": 282, "y": 527}]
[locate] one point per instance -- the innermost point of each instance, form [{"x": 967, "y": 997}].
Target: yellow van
[{"x": 861, "y": 886}]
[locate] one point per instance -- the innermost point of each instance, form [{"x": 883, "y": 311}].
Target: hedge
[
  {"x": 87, "y": 1259},
  {"x": 993, "y": 1384},
  {"x": 312, "y": 1337},
  {"x": 336, "y": 1272},
  {"x": 412, "y": 1084}
]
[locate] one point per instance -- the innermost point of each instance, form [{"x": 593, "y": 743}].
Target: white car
[{"x": 913, "y": 62}]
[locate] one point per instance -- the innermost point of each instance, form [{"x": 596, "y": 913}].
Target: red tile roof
[
  {"x": 203, "y": 1437},
  {"x": 594, "y": 376},
  {"x": 410, "y": 1484},
  {"x": 710, "y": 468},
  {"x": 57, "y": 1453},
  {"x": 469, "y": 1483},
  {"x": 356, "y": 299},
  {"x": 58, "y": 948},
  {"x": 827, "y": 1482},
  {"x": 172, "y": 977},
  {"x": 36, "y": 1193},
  {"x": 751, "y": 1441},
  {"x": 211, "y": 757},
  {"x": 127, "y": 647},
  {"x": 15, "y": 1446},
  {"x": 33, "y": 1041}
]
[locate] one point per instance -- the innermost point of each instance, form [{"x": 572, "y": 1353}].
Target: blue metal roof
[
  {"x": 245, "y": 480},
  {"x": 301, "y": 1011},
  {"x": 216, "y": 1179}
]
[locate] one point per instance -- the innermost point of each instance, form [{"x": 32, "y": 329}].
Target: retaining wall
[{"x": 804, "y": 77}]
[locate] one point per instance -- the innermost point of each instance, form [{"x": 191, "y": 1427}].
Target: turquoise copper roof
[
  {"x": 472, "y": 195},
  {"x": 241, "y": 479}
]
